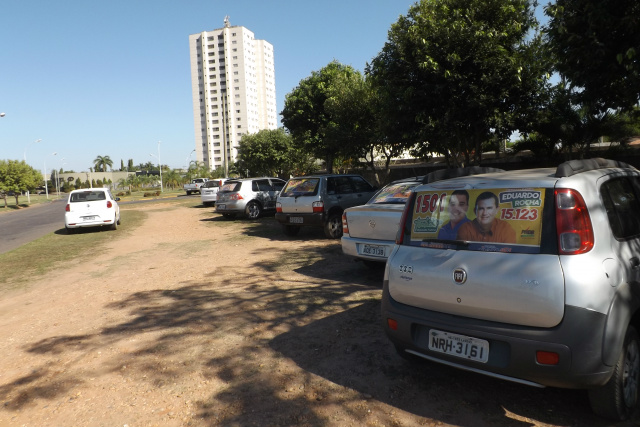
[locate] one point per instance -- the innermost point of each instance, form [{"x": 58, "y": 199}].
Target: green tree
[
  {"x": 267, "y": 153},
  {"x": 457, "y": 73},
  {"x": 313, "y": 126},
  {"x": 101, "y": 163},
  {"x": 17, "y": 176},
  {"x": 597, "y": 49}
]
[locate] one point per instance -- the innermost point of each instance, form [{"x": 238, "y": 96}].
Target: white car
[
  {"x": 369, "y": 230},
  {"x": 91, "y": 207},
  {"x": 209, "y": 191}
]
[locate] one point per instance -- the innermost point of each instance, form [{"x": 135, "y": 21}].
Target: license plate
[
  {"x": 221, "y": 207},
  {"x": 296, "y": 220},
  {"x": 88, "y": 218},
  {"x": 374, "y": 250},
  {"x": 459, "y": 345}
]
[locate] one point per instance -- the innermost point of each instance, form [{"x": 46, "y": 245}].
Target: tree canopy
[
  {"x": 17, "y": 176},
  {"x": 456, "y": 73},
  {"x": 596, "y": 44},
  {"x": 101, "y": 163}
]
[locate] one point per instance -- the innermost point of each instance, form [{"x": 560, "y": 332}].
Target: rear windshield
[
  {"x": 301, "y": 187},
  {"x": 210, "y": 184},
  {"x": 231, "y": 186},
  {"x": 492, "y": 220},
  {"x": 394, "y": 193},
  {"x": 88, "y": 196}
]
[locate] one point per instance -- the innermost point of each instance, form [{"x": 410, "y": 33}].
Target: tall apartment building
[{"x": 234, "y": 91}]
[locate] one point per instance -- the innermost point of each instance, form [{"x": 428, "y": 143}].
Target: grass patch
[{"x": 37, "y": 258}]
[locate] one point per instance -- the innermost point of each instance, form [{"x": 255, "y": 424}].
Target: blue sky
[{"x": 93, "y": 78}]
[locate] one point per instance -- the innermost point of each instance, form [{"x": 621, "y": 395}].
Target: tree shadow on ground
[{"x": 298, "y": 343}]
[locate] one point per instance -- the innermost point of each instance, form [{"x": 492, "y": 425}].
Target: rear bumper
[
  {"x": 230, "y": 207},
  {"x": 578, "y": 340},
  {"x": 355, "y": 247},
  {"x": 308, "y": 219}
]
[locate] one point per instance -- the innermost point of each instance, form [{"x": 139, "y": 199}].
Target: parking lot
[{"x": 195, "y": 320}]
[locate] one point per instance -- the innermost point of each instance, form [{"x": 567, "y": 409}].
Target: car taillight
[
  {"x": 68, "y": 208},
  {"x": 573, "y": 224},
  {"x": 278, "y": 207},
  {"x": 318, "y": 207},
  {"x": 236, "y": 196},
  {"x": 345, "y": 225},
  {"x": 109, "y": 204},
  {"x": 405, "y": 214}
]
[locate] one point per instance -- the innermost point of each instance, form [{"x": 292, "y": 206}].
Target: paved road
[{"x": 24, "y": 225}]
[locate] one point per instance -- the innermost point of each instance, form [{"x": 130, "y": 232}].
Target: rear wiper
[{"x": 464, "y": 243}]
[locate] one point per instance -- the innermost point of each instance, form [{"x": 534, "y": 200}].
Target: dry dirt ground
[{"x": 193, "y": 320}]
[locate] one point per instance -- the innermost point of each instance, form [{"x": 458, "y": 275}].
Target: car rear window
[
  {"x": 231, "y": 186},
  {"x": 301, "y": 187},
  {"x": 394, "y": 193},
  {"x": 88, "y": 196},
  {"x": 492, "y": 220},
  {"x": 210, "y": 184}
]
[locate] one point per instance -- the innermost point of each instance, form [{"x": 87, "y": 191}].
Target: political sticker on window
[{"x": 491, "y": 220}]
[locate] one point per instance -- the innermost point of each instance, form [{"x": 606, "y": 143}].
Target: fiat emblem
[
  {"x": 372, "y": 224},
  {"x": 459, "y": 276}
]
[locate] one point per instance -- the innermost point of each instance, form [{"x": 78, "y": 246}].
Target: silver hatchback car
[
  {"x": 249, "y": 196},
  {"x": 534, "y": 278}
]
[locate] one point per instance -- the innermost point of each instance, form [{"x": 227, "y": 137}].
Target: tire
[
  {"x": 114, "y": 226},
  {"x": 188, "y": 193},
  {"x": 618, "y": 398},
  {"x": 253, "y": 210},
  {"x": 333, "y": 227},
  {"x": 290, "y": 230}
]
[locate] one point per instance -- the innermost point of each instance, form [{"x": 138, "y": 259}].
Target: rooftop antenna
[{"x": 226, "y": 22}]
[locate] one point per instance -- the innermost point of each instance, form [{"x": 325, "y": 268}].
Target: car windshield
[
  {"x": 88, "y": 196},
  {"x": 301, "y": 187},
  {"x": 210, "y": 184},
  {"x": 394, "y": 193},
  {"x": 231, "y": 186},
  {"x": 490, "y": 220}
]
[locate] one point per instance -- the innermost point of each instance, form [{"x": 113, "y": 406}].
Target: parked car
[
  {"x": 194, "y": 185},
  {"x": 319, "y": 200},
  {"x": 369, "y": 231},
  {"x": 91, "y": 207},
  {"x": 249, "y": 196},
  {"x": 209, "y": 191},
  {"x": 539, "y": 285}
]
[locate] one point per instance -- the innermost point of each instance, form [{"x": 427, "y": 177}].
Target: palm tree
[{"x": 101, "y": 163}]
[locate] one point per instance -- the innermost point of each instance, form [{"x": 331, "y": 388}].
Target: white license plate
[
  {"x": 459, "y": 345},
  {"x": 374, "y": 250},
  {"x": 221, "y": 207},
  {"x": 296, "y": 220},
  {"x": 88, "y": 218}
]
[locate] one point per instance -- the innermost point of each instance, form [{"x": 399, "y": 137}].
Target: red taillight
[
  {"x": 109, "y": 204},
  {"x": 279, "y": 207},
  {"x": 393, "y": 324},
  {"x": 573, "y": 224},
  {"x": 68, "y": 208},
  {"x": 405, "y": 215},
  {"x": 345, "y": 226},
  {"x": 235, "y": 196},
  {"x": 318, "y": 207},
  {"x": 547, "y": 358}
]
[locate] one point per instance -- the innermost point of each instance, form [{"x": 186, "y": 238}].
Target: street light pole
[
  {"x": 159, "y": 166},
  {"x": 25, "y": 160}
]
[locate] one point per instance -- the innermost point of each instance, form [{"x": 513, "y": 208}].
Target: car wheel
[
  {"x": 290, "y": 230},
  {"x": 253, "y": 210},
  {"x": 333, "y": 227},
  {"x": 114, "y": 226},
  {"x": 229, "y": 215},
  {"x": 619, "y": 396}
]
